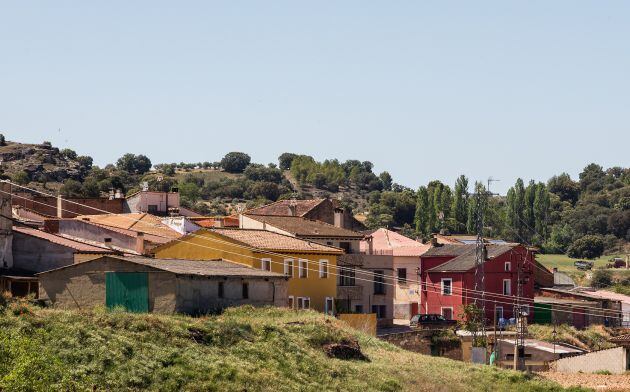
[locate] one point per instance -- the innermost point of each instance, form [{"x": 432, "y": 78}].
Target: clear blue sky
[{"x": 422, "y": 89}]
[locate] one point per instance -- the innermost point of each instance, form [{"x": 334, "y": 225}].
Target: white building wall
[{"x": 614, "y": 360}]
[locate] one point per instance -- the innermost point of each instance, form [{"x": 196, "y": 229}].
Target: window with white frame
[
  {"x": 508, "y": 266},
  {"x": 303, "y": 268},
  {"x": 304, "y": 303},
  {"x": 323, "y": 269},
  {"x": 265, "y": 264},
  {"x": 507, "y": 287},
  {"x": 329, "y": 306},
  {"x": 288, "y": 267},
  {"x": 447, "y": 286}
]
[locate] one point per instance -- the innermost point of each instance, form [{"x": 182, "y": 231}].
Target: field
[
  {"x": 243, "y": 349},
  {"x": 565, "y": 264}
]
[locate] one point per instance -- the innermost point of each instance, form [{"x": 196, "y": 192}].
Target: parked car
[
  {"x": 431, "y": 321},
  {"x": 583, "y": 265}
]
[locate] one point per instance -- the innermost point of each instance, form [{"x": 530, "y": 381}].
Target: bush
[
  {"x": 21, "y": 178},
  {"x": 134, "y": 164},
  {"x": 235, "y": 162},
  {"x": 69, "y": 153},
  {"x": 601, "y": 279},
  {"x": 285, "y": 160},
  {"x": 589, "y": 247}
]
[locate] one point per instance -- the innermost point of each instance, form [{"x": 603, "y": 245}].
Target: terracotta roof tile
[
  {"x": 138, "y": 222},
  {"x": 385, "y": 241},
  {"x": 281, "y": 207},
  {"x": 78, "y": 246},
  {"x": 267, "y": 240},
  {"x": 218, "y": 267},
  {"x": 303, "y": 227}
]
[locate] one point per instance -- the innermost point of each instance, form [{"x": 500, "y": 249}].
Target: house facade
[
  {"x": 141, "y": 284},
  {"x": 310, "y": 267},
  {"x": 449, "y": 276}
]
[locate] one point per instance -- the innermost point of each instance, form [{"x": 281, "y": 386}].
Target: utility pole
[{"x": 521, "y": 318}]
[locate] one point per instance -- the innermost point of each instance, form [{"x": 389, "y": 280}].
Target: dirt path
[{"x": 599, "y": 382}]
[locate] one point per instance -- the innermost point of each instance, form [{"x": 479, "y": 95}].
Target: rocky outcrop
[{"x": 42, "y": 162}]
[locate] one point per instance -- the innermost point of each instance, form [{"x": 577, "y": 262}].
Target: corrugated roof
[
  {"x": 385, "y": 241},
  {"x": 217, "y": 267},
  {"x": 78, "y": 246},
  {"x": 303, "y": 227},
  {"x": 467, "y": 256},
  {"x": 138, "y": 222},
  {"x": 267, "y": 240},
  {"x": 281, "y": 207}
]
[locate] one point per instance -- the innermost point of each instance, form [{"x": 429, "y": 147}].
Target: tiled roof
[
  {"x": 447, "y": 250},
  {"x": 389, "y": 242},
  {"x": 138, "y": 222},
  {"x": 620, "y": 339},
  {"x": 267, "y": 240},
  {"x": 78, "y": 246},
  {"x": 466, "y": 258},
  {"x": 303, "y": 227},
  {"x": 281, "y": 207},
  {"x": 216, "y": 267}
]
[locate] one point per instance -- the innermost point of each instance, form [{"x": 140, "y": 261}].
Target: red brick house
[{"x": 448, "y": 277}]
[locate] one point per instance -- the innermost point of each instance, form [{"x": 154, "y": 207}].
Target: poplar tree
[
  {"x": 459, "y": 209},
  {"x": 421, "y": 219}
]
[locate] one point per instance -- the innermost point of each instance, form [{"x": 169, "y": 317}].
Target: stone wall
[{"x": 420, "y": 342}]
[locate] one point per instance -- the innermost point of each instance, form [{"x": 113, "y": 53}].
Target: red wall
[{"x": 433, "y": 301}]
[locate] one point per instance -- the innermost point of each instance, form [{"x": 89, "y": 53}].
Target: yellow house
[{"x": 312, "y": 267}]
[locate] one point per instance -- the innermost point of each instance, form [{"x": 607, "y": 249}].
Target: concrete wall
[
  {"x": 163, "y": 200},
  {"x": 84, "y": 230},
  {"x": 406, "y": 293},
  {"x": 614, "y": 360},
  {"x": 363, "y": 322},
  {"x": 83, "y": 286},
  {"x": 38, "y": 255},
  {"x": 198, "y": 294}
]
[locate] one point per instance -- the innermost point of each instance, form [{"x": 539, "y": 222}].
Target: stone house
[{"x": 142, "y": 284}]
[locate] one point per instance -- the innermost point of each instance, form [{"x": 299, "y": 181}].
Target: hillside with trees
[{"x": 582, "y": 217}]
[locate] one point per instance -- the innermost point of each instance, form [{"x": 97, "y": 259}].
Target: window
[
  {"x": 447, "y": 313},
  {"x": 303, "y": 269},
  {"x": 358, "y": 308},
  {"x": 245, "y": 290},
  {"x": 323, "y": 268},
  {"x": 291, "y": 305},
  {"x": 380, "y": 311},
  {"x": 329, "y": 306},
  {"x": 265, "y": 264},
  {"x": 508, "y": 266},
  {"x": 346, "y": 276},
  {"x": 221, "y": 290},
  {"x": 152, "y": 208},
  {"x": 447, "y": 286},
  {"x": 345, "y": 246},
  {"x": 507, "y": 287},
  {"x": 402, "y": 275},
  {"x": 379, "y": 282},
  {"x": 304, "y": 302},
  {"x": 288, "y": 267}
]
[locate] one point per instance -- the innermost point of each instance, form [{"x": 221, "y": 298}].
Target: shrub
[
  {"x": 21, "y": 178},
  {"x": 588, "y": 246},
  {"x": 601, "y": 279}
]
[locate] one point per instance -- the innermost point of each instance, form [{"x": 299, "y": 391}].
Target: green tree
[
  {"x": 71, "y": 188},
  {"x": 387, "y": 181},
  {"x": 3, "y": 142},
  {"x": 422, "y": 211},
  {"x": 541, "y": 210},
  {"x": 21, "y": 178},
  {"x": 460, "y": 204},
  {"x": 588, "y": 247},
  {"x": 285, "y": 160},
  {"x": 602, "y": 279},
  {"x": 235, "y": 162},
  {"x": 69, "y": 153},
  {"x": 134, "y": 164}
]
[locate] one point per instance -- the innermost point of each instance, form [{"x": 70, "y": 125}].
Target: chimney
[
  {"x": 59, "y": 206},
  {"x": 339, "y": 217},
  {"x": 434, "y": 241},
  {"x": 111, "y": 194},
  {"x": 555, "y": 269},
  {"x": 292, "y": 208},
  {"x": 140, "y": 243},
  {"x": 118, "y": 194}
]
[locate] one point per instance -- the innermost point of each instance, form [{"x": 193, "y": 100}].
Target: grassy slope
[
  {"x": 594, "y": 337},
  {"x": 565, "y": 263},
  {"x": 243, "y": 349}
]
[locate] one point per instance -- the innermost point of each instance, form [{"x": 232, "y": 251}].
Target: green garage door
[
  {"x": 542, "y": 313},
  {"x": 127, "y": 289}
]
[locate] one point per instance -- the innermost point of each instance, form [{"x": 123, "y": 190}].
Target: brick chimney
[
  {"x": 140, "y": 243},
  {"x": 339, "y": 217},
  {"x": 292, "y": 208}
]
